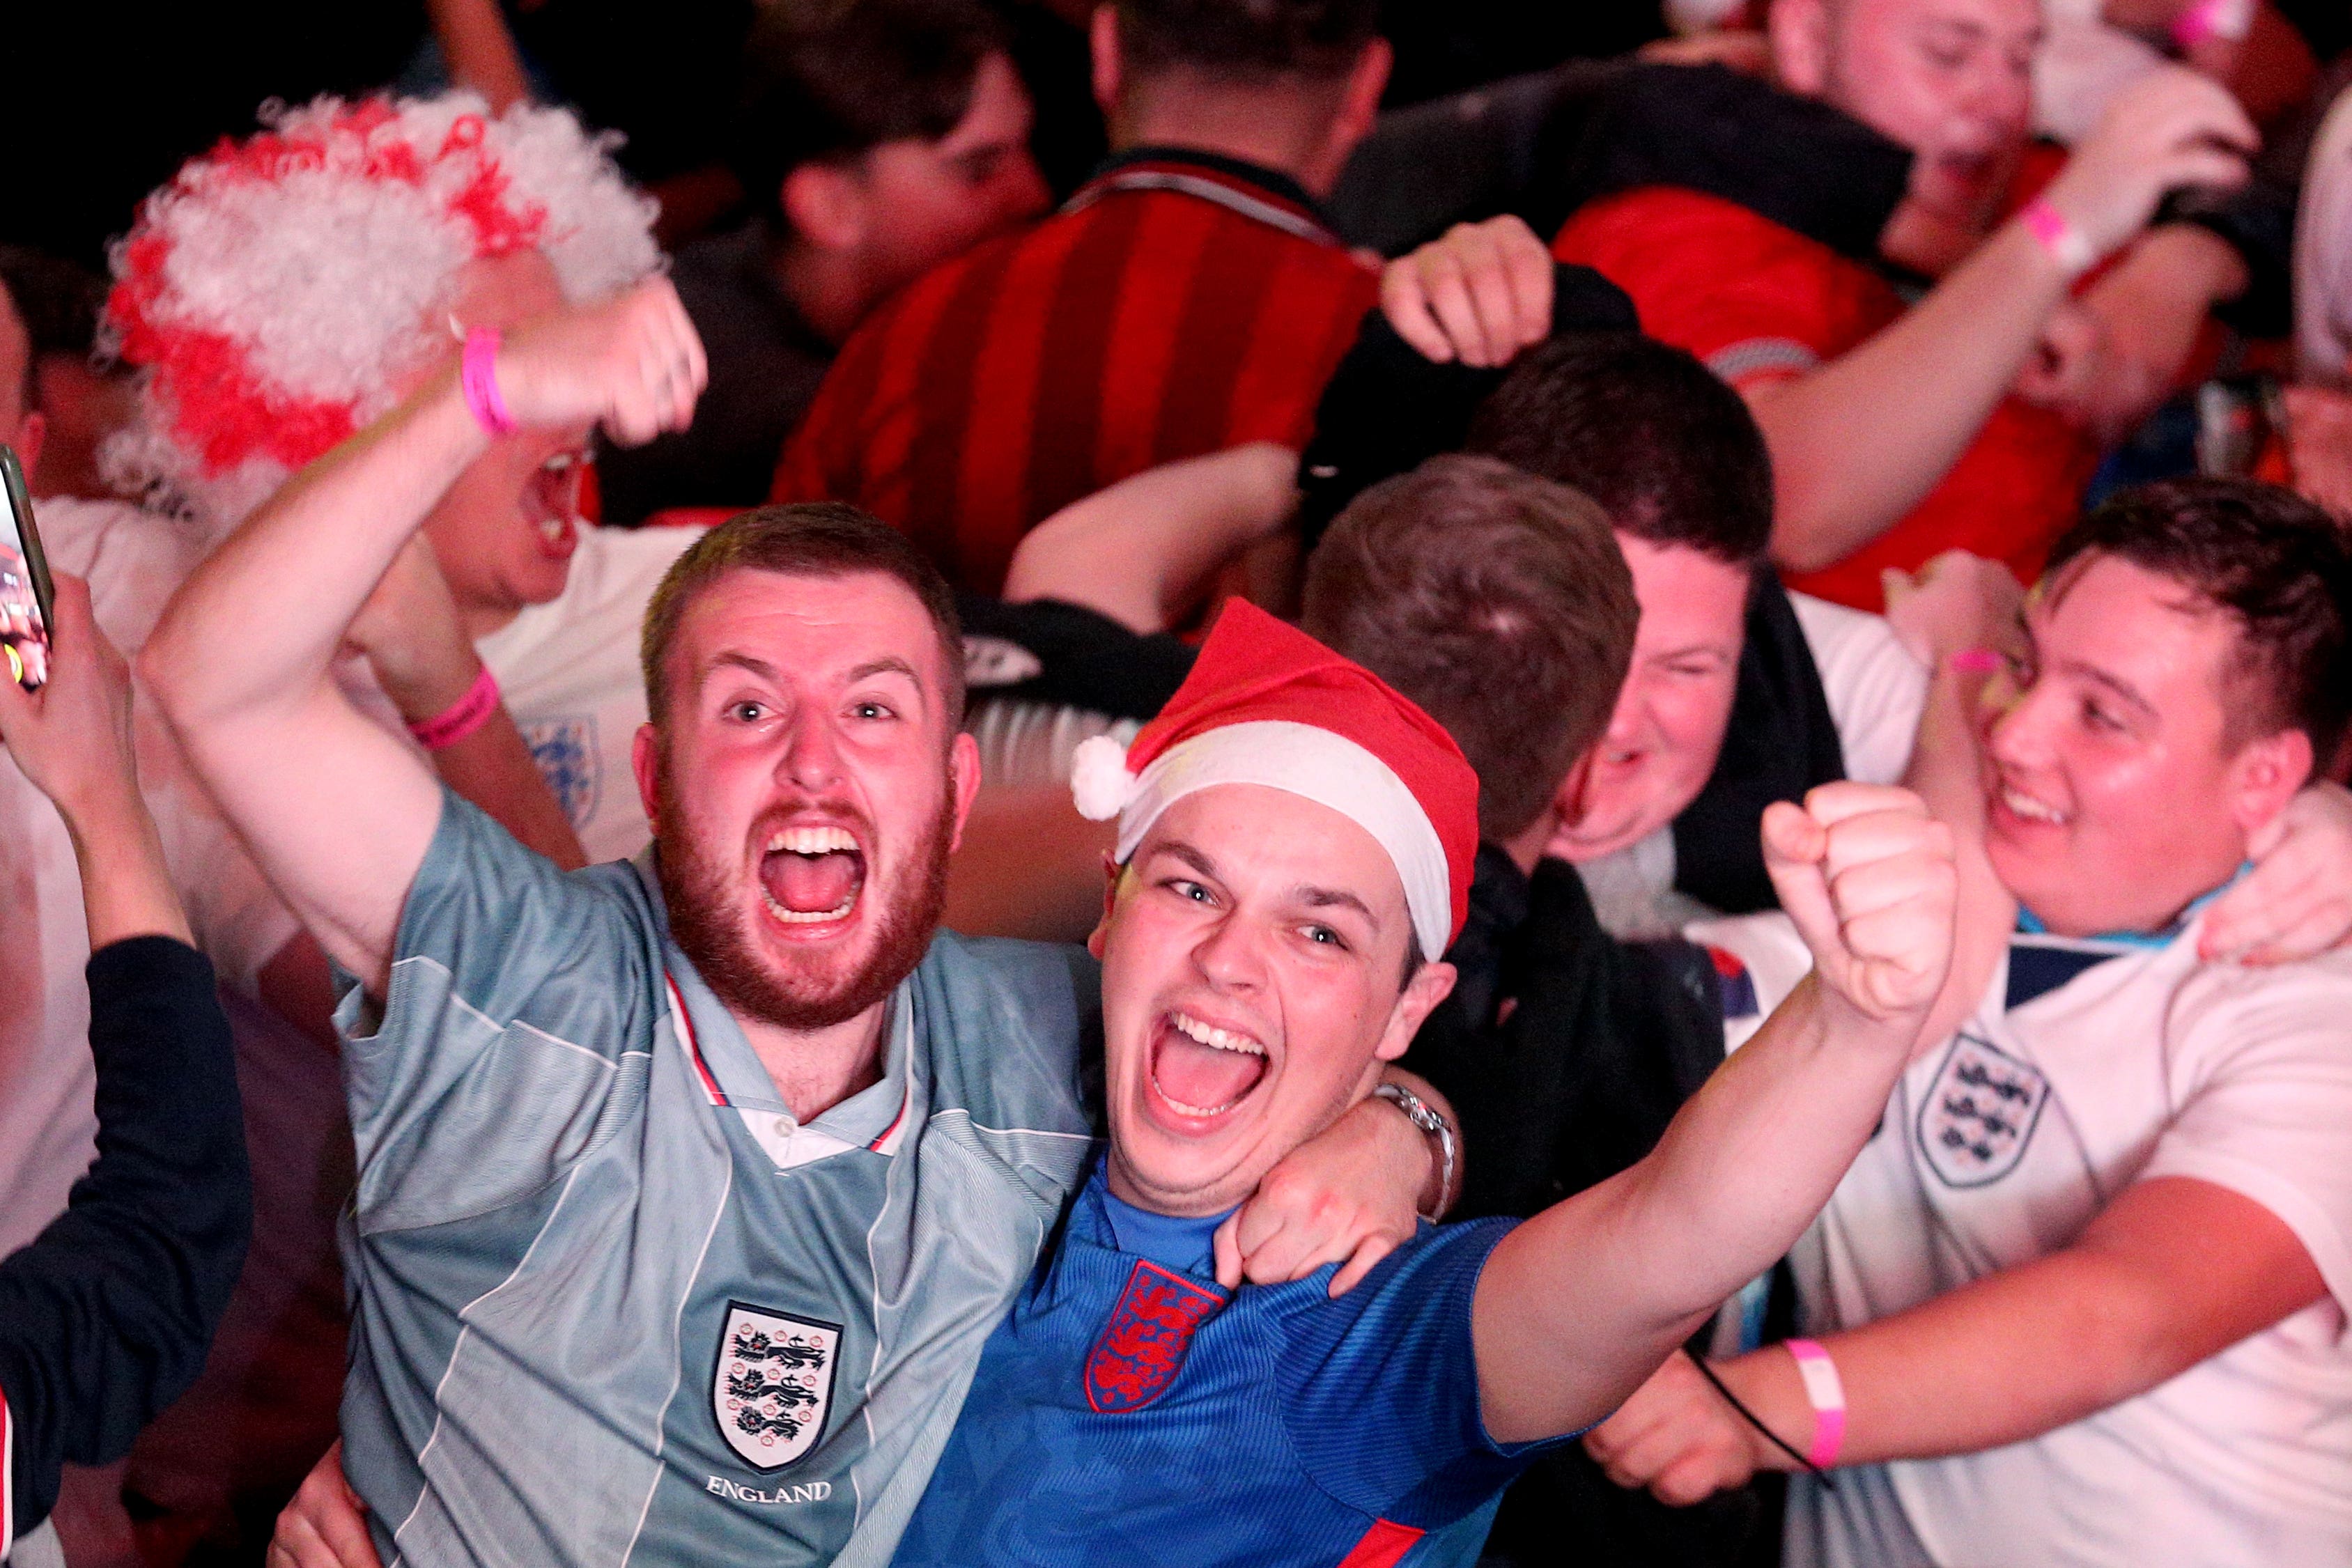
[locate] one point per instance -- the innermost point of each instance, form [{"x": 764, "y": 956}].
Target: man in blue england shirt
[{"x": 1295, "y": 838}]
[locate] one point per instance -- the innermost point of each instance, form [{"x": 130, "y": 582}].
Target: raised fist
[
  {"x": 1479, "y": 293},
  {"x": 1868, "y": 878},
  {"x": 2169, "y": 129},
  {"x": 633, "y": 364}
]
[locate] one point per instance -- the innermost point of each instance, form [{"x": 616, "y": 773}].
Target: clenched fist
[
  {"x": 1868, "y": 878},
  {"x": 633, "y": 364}
]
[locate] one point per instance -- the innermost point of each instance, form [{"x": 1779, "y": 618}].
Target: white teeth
[
  {"x": 1209, "y": 1035},
  {"x": 1195, "y": 1110},
  {"x": 809, "y": 918},
  {"x": 2032, "y": 809},
  {"x": 811, "y": 840}
]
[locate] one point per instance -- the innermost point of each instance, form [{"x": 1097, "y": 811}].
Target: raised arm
[
  {"x": 337, "y": 812},
  {"x": 1920, "y": 390},
  {"x": 105, "y": 1317},
  {"x": 1580, "y": 1303}
]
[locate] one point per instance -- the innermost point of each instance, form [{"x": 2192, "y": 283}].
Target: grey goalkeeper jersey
[{"x": 611, "y": 1303}]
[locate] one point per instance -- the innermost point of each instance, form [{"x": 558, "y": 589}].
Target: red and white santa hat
[{"x": 1266, "y": 704}]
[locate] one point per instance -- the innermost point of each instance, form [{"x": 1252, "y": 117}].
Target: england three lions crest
[
  {"x": 1981, "y": 1113},
  {"x": 773, "y": 1384},
  {"x": 1142, "y": 1348}
]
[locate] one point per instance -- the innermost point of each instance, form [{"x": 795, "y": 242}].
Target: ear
[
  {"x": 1361, "y": 104},
  {"x": 964, "y": 777},
  {"x": 1095, "y": 938},
  {"x": 2265, "y": 775},
  {"x": 824, "y": 202},
  {"x": 645, "y": 761},
  {"x": 31, "y": 430},
  {"x": 1799, "y": 31},
  {"x": 1573, "y": 798},
  {"x": 1102, "y": 37},
  {"x": 1431, "y": 984}
]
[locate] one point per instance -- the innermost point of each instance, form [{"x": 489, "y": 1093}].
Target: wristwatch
[{"x": 1422, "y": 1115}]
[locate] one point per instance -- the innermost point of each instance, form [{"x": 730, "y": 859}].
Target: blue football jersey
[{"x": 1128, "y": 1411}]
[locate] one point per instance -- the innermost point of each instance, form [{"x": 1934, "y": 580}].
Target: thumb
[{"x": 1227, "y": 1247}]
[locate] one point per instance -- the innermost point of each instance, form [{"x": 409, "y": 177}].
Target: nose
[
  {"x": 2019, "y": 735},
  {"x": 812, "y": 759},
  {"x": 1226, "y": 955}
]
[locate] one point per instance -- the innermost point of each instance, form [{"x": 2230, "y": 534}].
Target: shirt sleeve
[
  {"x": 2264, "y": 1084},
  {"x": 1757, "y": 302},
  {"x": 1876, "y": 690},
  {"x": 517, "y": 1026},
  {"x": 105, "y": 1317},
  {"x": 1381, "y": 1401}
]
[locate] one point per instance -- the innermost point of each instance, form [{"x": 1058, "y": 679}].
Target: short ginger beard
[{"x": 703, "y": 922}]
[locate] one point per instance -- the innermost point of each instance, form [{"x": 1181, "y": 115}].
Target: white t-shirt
[
  {"x": 133, "y": 560},
  {"x": 567, "y": 670},
  {"x": 1876, "y": 692},
  {"x": 1998, "y": 1147}
]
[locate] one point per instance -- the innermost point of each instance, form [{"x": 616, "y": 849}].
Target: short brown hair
[
  {"x": 1669, "y": 451},
  {"x": 1499, "y": 603},
  {"x": 807, "y": 538},
  {"x": 1247, "y": 40},
  {"x": 832, "y": 79},
  {"x": 2277, "y": 565}
]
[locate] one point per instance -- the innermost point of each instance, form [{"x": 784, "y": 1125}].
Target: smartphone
[{"x": 25, "y": 594}]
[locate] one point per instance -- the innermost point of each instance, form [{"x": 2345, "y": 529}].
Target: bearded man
[{"x": 699, "y": 1180}]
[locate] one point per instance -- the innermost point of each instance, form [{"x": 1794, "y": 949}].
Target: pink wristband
[
  {"x": 478, "y": 378},
  {"x": 460, "y": 718},
  {"x": 1827, "y": 1394},
  {"x": 2067, "y": 245},
  {"x": 1976, "y": 660},
  {"x": 2229, "y": 20}
]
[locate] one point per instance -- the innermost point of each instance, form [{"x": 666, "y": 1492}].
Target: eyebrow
[
  {"x": 1312, "y": 896},
  {"x": 887, "y": 665},
  {"x": 2082, "y": 670},
  {"x": 2120, "y": 687}
]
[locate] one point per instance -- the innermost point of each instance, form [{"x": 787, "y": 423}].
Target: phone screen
[{"x": 23, "y": 582}]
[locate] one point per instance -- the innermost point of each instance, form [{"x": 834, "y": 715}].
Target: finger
[
  {"x": 2321, "y": 929},
  {"x": 1449, "y": 301},
  {"x": 1487, "y": 279},
  {"x": 1830, "y": 804},
  {"x": 1226, "y": 1249},
  {"x": 1406, "y": 304},
  {"x": 1368, "y": 1256},
  {"x": 1531, "y": 284}
]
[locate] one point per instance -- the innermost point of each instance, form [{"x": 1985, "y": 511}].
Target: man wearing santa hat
[{"x": 1294, "y": 844}]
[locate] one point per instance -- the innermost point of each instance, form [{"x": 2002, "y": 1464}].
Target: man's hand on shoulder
[
  {"x": 633, "y": 364},
  {"x": 1867, "y": 877},
  {"x": 2297, "y": 901},
  {"x": 1479, "y": 294},
  {"x": 2169, "y": 129}
]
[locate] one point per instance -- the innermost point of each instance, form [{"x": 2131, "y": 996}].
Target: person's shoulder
[
  {"x": 627, "y": 563},
  {"x": 132, "y": 559},
  {"x": 2227, "y": 1004},
  {"x": 1660, "y": 219},
  {"x": 1000, "y": 1006}
]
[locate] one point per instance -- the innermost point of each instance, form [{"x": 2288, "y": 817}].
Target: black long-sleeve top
[{"x": 105, "y": 1317}]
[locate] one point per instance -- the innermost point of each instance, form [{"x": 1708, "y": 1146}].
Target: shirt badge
[
  {"x": 1980, "y": 1113},
  {"x": 1142, "y": 1347},
  {"x": 773, "y": 1383},
  {"x": 566, "y": 751}
]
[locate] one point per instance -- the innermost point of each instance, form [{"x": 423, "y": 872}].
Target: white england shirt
[{"x": 1998, "y": 1147}]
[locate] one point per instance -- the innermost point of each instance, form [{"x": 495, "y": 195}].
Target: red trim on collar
[{"x": 693, "y": 1048}]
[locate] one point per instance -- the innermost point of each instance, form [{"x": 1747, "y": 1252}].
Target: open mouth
[
  {"x": 1202, "y": 1071},
  {"x": 810, "y": 875},
  {"x": 2027, "y": 808}
]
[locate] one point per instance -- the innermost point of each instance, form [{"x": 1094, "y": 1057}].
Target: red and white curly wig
[{"x": 275, "y": 292}]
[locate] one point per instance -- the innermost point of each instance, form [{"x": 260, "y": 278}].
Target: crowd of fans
[{"x": 1246, "y": 781}]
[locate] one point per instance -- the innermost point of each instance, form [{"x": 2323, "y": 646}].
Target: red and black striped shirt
[{"x": 1181, "y": 303}]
